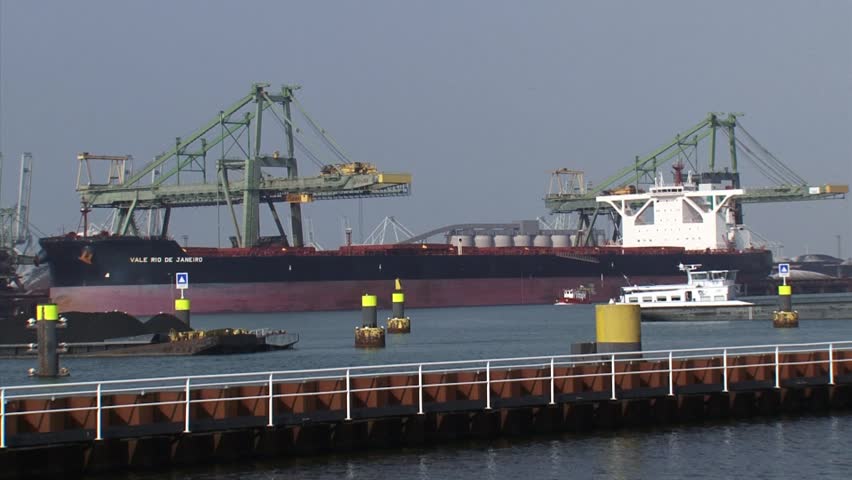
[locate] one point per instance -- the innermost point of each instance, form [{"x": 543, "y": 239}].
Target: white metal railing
[{"x": 347, "y": 375}]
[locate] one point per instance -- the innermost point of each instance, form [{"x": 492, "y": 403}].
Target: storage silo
[
  {"x": 463, "y": 240},
  {"x": 560, "y": 240},
  {"x": 483, "y": 241},
  {"x": 542, "y": 241},
  {"x": 522, "y": 240},
  {"x": 502, "y": 241}
]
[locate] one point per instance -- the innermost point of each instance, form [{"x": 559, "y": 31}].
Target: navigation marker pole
[
  {"x": 785, "y": 317},
  {"x": 182, "y": 304},
  {"x": 399, "y": 323}
]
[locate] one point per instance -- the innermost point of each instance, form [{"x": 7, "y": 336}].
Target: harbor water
[
  {"x": 796, "y": 448},
  {"x": 809, "y": 446}
]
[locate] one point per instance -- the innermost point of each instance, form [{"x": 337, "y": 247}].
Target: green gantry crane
[
  {"x": 230, "y": 146},
  {"x": 572, "y": 195}
]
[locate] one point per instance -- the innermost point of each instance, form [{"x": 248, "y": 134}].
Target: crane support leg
[
  {"x": 251, "y": 194},
  {"x": 292, "y": 169},
  {"x": 227, "y": 191},
  {"x": 590, "y": 230},
  {"x": 277, "y": 221},
  {"x": 296, "y": 223},
  {"x": 167, "y": 215}
]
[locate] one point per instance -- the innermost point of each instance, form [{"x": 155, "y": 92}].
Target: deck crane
[
  {"x": 223, "y": 163},
  {"x": 572, "y": 195}
]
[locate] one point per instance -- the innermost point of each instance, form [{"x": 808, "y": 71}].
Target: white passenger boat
[{"x": 710, "y": 291}]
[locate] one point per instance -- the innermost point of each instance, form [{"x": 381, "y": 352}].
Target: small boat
[
  {"x": 707, "y": 294},
  {"x": 716, "y": 288},
  {"x": 574, "y": 296}
]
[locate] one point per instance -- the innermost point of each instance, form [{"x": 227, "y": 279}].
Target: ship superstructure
[{"x": 688, "y": 215}]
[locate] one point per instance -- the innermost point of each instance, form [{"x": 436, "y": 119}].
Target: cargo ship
[{"x": 667, "y": 226}]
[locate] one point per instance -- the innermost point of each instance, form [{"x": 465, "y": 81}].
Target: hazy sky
[{"x": 479, "y": 100}]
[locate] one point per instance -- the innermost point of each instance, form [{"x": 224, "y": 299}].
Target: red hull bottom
[{"x": 317, "y": 296}]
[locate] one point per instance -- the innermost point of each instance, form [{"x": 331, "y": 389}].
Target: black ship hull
[{"x": 137, "y": 275}]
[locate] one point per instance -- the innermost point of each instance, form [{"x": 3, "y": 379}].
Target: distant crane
[
  {"x": 389, "y": 224},
  {"x": 15, "y": 229},
  {"x": 569, "y": 194},
  {"x": 25, "y": 181},
  {"x": 15, "y": 222}
]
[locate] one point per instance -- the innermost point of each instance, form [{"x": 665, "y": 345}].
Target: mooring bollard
[
  {"x": 369, "y": 334},
  {"x": 399, "y": 323},
  {"x": 46, "y": 322}
]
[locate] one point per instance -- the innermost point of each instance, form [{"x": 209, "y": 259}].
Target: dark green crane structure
[
  {"x": 230, "y": 145},
  {"x": 574, "y": 197}
]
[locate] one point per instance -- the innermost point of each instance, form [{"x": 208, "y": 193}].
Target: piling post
[
  {"x": 785, "y": 317},
  {"x": 182, "y": 309},
  {"x": 618, "y": 328},
  {"x": 399, "y": 323},
  {"x": 369, "y": 335},
  {"x": 46, "y": 322}
]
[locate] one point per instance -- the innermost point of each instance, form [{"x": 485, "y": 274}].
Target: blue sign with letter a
[{"x": 182, "y": 280}]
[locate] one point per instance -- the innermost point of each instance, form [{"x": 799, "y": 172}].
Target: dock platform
[{"x": 140, "y": 423}]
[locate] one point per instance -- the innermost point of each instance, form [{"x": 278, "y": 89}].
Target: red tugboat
[{"x": 575, "y": 296}]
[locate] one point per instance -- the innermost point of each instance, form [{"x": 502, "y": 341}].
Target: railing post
[
  {"x": 777, "y": 369},
  {"x": 552, "y": 382},
  {"x": 420, "y": 389},
  {"x": 186, "y": 413},
  {"x": 612, "y": 367},
  {"x": 488, "y": 385},
  {"x": 2, "y": 418},
  {"x": 671, "y": 377},
  {"x": 348, "y": 405},
  {"x": 270, "y": 423},
  {"x": 725, "y": 370},
  {"x": 830, "y": 364},
  {"x": 98, "y": 419}
]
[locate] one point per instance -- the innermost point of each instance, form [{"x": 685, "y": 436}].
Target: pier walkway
[{"x": 139, "y": 423}]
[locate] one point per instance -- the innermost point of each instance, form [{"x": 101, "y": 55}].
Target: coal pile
[
  {"x": 163, "y": 322},
  {"x": 91, "y": 327}
]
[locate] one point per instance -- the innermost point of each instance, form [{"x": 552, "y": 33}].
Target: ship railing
[{"x": 607, "y": 373}]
